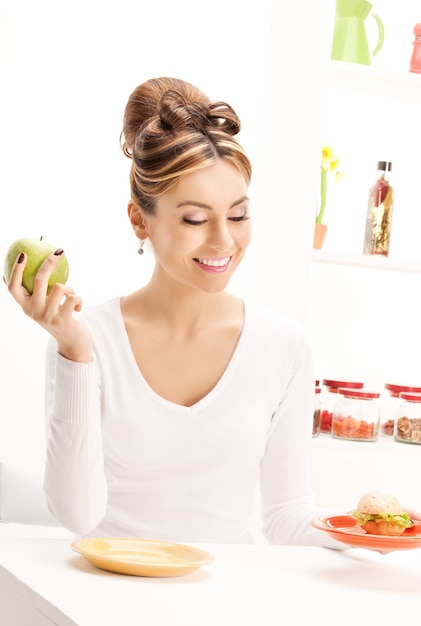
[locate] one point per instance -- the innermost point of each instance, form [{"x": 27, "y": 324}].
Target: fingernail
[
  {"x": 59, "y": 252},
  {"x": 21, "y": 257}
]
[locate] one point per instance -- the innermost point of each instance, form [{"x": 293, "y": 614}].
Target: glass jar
[
  {"x": 317, "y": 412},
  {"x": 408, "y": 418},
  {"x": 390, "y": 406},
  {"x": 357, "y": 415},
  {"x": 330, "y": 398}
]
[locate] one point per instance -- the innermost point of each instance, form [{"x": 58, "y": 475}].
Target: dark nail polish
[
  {"x": 21, "y": 257},
  {"x": 59, "y": 252}
]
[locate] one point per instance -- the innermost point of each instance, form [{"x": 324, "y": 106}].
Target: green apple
[{"x": 37, "y": 251}]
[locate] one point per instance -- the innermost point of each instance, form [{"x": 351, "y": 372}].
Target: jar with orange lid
[
  {"x": 317, "y": 411},
  {"x": 390, "y": 405},
  {"x": 356, "y": 415},
  {"x": 408, "y": 418},
  {"x": 330, "y": 398}
]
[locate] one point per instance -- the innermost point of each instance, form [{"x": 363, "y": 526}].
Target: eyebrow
[{"x": 202, "y": 205}]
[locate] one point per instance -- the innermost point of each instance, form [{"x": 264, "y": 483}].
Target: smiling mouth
[
  {"x": 213, "y": 266},
  {"x": 223, "y": 262}
]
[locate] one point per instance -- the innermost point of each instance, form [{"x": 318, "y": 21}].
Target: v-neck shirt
[{"x": 123, "y": 461}]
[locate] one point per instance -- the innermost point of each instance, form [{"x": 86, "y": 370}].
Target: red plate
[{"x": 345, "y": 528}]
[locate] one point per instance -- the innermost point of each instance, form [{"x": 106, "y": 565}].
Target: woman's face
[{"x": 201, "y": 229}]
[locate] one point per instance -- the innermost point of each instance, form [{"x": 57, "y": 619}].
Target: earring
[{"x": 140, "y": 250}]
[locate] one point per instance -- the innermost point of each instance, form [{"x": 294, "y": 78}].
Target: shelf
[
  {"x": 376, "y": 82},
  {"x": 350, "y": 76},
  {"x": 365, "y": 261},
  {"x": 384, "y": 445}
]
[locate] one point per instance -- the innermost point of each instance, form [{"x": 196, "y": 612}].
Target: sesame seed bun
[{"x": 376, "y": 503}]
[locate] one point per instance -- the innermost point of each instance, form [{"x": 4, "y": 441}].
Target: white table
[{"x": 42, "y": 581}]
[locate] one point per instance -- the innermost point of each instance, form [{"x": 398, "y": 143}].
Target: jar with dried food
[
  {"x": 408, "y": 418},
  {"x": 317, "y": 411},
  {"x": 389, "y": 407},
  {"x": 330, "y": 398},
  {"x": 357, "y": 415}
]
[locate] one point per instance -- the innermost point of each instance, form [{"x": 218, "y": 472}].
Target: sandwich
[{"x": 381, "y": 514}]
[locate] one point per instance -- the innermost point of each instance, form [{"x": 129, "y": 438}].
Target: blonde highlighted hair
[{"x": 171, "y": 129}]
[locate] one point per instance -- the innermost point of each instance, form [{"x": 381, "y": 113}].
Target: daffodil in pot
[{"x": 328, "y": 167}]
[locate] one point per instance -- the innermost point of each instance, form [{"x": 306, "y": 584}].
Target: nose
[{"x": 220, "y": 237}]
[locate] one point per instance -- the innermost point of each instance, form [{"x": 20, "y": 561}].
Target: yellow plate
[{"x": 142, "y": 557}]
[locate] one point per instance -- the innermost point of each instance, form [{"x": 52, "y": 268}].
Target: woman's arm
[
  {"x": 74, "y": 482},
  {"x": 288, "y": 504}
]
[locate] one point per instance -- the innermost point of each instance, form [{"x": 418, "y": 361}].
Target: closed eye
[
  {"x": 239, "y": 218},
  {"x": 193, "y": 222}
]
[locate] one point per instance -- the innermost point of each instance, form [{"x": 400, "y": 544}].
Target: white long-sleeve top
[{"x": 123, "y": 461}]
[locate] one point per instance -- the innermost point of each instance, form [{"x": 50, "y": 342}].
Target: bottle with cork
[{"x": 379, "y": 213}]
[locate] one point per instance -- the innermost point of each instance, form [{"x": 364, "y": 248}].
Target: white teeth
[{"x": 215, "y": 262}]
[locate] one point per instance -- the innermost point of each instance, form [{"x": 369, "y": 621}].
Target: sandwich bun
[
  {"x": 377, "y": 502},
  {"x": 380, "y": 513}
]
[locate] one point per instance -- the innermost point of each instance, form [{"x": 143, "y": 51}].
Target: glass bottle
[{"x": 379, "y": 213}]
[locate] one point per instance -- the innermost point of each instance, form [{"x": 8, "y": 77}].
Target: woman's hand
[{"x": 53, "y": 310}]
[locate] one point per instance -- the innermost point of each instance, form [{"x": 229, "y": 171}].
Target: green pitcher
[{"x": 349, "y": 35}]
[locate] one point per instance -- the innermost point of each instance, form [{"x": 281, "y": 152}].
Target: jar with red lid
[
  {"x": 357, "y": 415},
  {"x": 408, "y": 418},
  {"x": 317, "y": 411},
  {"x": 390, "y": 406},
  {"x": 330, "y": 398}
]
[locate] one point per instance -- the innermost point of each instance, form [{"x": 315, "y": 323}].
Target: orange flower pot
[{"x": 320, "y": 231}]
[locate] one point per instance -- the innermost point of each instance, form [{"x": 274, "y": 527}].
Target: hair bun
[
  {"x": 176, "y": 113},
  {"x": 172, "y": 129},
  {"x": 224, "y": 117}
]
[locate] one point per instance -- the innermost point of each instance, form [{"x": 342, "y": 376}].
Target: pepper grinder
[{"x": 415, "y": 62}]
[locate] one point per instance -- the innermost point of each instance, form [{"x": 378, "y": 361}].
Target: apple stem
[{"x": 41, "y": 237}]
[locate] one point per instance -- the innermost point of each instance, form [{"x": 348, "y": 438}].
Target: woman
[{"x": 167, "y": 407}]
